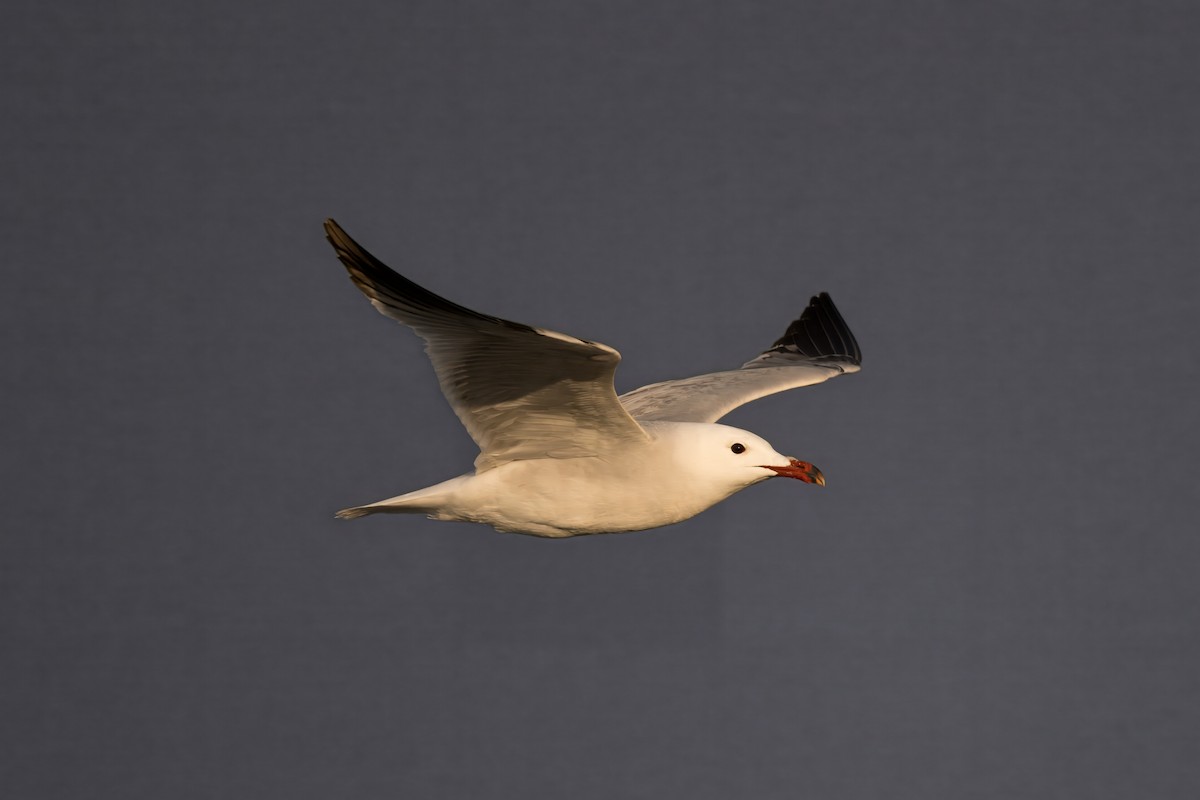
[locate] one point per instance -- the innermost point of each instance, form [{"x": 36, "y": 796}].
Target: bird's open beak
[{"x": 801, "y": 471}]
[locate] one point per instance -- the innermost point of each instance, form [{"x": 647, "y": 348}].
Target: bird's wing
[
  {"x": 521, "y": 392},
  {"x": 815, "y": 348}
]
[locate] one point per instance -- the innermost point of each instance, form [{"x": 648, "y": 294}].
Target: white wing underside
[{"x": 521, "y": 392}]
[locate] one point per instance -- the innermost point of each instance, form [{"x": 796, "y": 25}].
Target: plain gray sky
[{"x": 996, "y": 596}]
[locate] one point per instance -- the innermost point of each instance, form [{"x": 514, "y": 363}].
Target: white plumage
[{"x": 560, "y": 453}]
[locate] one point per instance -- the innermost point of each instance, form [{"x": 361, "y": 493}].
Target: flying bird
[{"x": 560, "y": 453}]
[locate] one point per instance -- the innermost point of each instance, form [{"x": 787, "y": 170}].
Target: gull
[{"x": 560, "y": 453}]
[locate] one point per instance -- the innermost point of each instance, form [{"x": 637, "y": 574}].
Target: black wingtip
[
  {"x": 335, "y": 234},
  {"x": 381, "y": 283},
  {"x": 341, "y": 241},
  {"x": 354, "y": 257},
  {"x": 820, "y": 334}
]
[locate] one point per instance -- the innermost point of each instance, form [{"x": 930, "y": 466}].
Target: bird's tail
[
  {"x": 396, "y": 505},
  {"x": 430, "y": 500},
  {"x": 356, "y": 512}
]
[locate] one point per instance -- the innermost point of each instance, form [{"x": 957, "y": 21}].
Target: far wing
[
  {"x": 521, "y": 392},
  {"x": 815, "y": 348}
]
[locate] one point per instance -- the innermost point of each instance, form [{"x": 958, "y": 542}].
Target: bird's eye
[{"x": 738, "y": 447}]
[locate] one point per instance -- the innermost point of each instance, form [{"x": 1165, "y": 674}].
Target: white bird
[{"x": 560, "y": 453}]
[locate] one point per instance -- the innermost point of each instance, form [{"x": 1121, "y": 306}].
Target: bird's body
[
  {"x": 561, "y": 454},
  {"x": 648, "y": 485}
]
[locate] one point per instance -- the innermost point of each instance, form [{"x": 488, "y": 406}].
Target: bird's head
[{"x": 735, "y": 458}]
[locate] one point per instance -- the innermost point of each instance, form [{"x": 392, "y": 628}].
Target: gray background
[{"x": 995, "y": 597}]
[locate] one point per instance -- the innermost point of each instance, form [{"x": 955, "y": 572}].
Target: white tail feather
[{"x": 422, "y": 501}]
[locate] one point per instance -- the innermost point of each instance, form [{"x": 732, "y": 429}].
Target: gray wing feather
[
  {"x": 815, "y": 348},
  {"x": 521, "y": 392}
]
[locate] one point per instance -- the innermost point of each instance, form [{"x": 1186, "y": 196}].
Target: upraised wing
[
  {"x": 815, "y": 348},
  {"x": 521, "y": 392}
]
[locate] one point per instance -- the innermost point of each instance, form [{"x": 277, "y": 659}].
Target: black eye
[{"x": 738, "y": 448}]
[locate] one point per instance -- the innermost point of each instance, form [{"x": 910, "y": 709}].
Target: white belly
[{"x": 562, "y": 497}]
